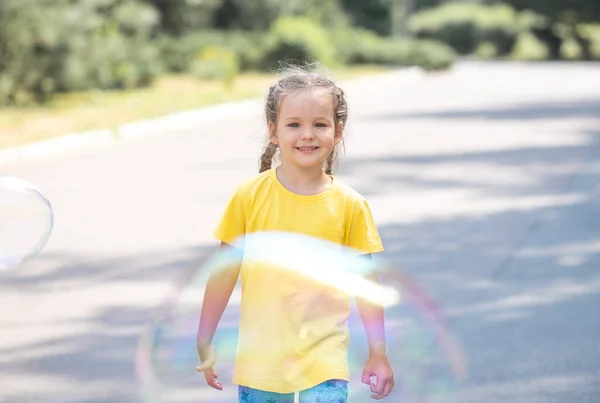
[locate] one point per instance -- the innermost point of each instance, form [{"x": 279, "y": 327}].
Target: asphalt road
[{"x": 484, "y": 181}]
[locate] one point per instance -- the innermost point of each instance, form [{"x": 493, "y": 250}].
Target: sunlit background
[{"x": 474, "y": 132}]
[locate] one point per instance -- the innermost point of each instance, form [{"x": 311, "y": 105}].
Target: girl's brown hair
[{"x": 294, "y": 78}]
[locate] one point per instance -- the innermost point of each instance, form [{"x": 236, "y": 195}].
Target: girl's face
[{"x": 305, "y": 130}]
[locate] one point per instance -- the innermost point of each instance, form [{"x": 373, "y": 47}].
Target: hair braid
[
  {"x": 266, "y": 159},
  {"x": 330, "y": 160}
]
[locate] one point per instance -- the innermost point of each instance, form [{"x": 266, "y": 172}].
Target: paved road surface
[{"x": 485, "y": 183}]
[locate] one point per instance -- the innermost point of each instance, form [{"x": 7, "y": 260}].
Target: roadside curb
[
  {"x": 185, "y": 120},
  {"x": 63, "y": 144}
]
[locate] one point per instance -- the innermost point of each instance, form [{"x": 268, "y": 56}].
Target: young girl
[{"x": 293, "y": 334}]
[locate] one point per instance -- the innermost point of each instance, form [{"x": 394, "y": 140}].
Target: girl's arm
[
  {"x": 216, "y": 296},
  {"x": 373, "y": 321},
  {"x": 377, "y": 364}
]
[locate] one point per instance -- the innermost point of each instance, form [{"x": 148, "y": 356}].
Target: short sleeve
[
  {"x": 233, "y": 221},
  {"x": 363, "y": 234}
]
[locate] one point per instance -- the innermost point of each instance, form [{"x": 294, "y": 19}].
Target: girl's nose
[{"x": 307, "y": 134}]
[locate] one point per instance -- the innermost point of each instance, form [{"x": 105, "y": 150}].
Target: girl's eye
[
  {"x": 293, "y": 125},
  {"x": 321, "y": 125}
]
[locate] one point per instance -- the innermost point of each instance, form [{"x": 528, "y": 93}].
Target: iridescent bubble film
[
  {"x": 427, "y": 360},
  {"x": 26, "y": 221}
]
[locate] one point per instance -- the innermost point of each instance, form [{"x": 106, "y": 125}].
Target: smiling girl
[{"x": 293, "y": 335}]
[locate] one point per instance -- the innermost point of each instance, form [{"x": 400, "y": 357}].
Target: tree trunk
[{"x": 400, "y": 13}]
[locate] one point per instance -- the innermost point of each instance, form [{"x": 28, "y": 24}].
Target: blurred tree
[
  {"x": 567, "y": 12},
  {"x": 27, "y": 42},
  {"x": 178, "y": 17},
  {"x": 470, "y": 28},
  {"x": 400, "y": 12},
  {"x": 419, "y": 5},
  {"x": 374, "y": 15},
  {"x": 247, "y": 15},
  {"x": 49, "y": 46},
  {"x": 385, "y": 17},
  {"x": 328, "y": 13},
  {"x": 258, "y": 15}
]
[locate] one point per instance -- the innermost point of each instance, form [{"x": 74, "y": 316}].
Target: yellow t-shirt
[{"x": 293, "y": 331}]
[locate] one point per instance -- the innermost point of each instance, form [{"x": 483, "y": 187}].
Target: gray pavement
[{"x": 485, "y": 182}]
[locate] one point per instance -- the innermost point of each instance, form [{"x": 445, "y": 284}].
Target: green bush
[
  {"x": 581, "y": 42},
  {"x": 486, "y": 50},
  {"x": 359, "y": 46},
  {"x": 498, "y": 25},
  {"x": 297, "y": 39},
  {"x": 356, "y": 46},
  {"x": 108, "y": 62},
  {"x": 569, "y": 41},
  {"x": 570, "y": 49},
  {"x": 529, "y": 48},
  {"x": 591, "y": 32},
  {"x": 429, "y": 55},
  {"x": 215, "y": 63},
  {"x": 465, "y": 26},
  {"x": 452, "y": 24},
  {"x": 178, "y": 53}
]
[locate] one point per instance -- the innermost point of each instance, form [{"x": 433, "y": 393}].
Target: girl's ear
[
  {"x": 272, "y": 133},
  {"x": 339, "y": 130}
]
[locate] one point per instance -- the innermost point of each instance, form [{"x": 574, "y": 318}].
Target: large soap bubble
[{"x": 427, "y": 361}]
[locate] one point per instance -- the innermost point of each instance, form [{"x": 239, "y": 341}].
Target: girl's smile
[{"x": 307, "y": 150}]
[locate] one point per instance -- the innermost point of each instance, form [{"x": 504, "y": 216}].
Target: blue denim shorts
[{"x": 332, "y": 391}]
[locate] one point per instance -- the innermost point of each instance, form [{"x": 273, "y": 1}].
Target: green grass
[{"x": 76, "y": 112}]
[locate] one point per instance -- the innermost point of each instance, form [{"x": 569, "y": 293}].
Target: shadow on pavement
[{"x": 528, "y": 111}]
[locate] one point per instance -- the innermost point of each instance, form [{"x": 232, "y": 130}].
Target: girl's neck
[{"x": 304, "y": 182}]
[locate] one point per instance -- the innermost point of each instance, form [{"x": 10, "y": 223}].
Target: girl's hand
[
  {"x": 208, "y": 358},
  {"x": 378, "y": 366}
]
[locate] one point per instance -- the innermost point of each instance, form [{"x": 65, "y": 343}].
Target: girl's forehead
[{"x": 307, "y": 101}]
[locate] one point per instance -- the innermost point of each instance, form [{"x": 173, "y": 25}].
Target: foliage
[
  {"x": 297, "y": 39},
  {"x": 529, "y": 48},
  {"x": 486, "y": 50},
  {"x": 50, "y": 46},
  {"x": 53, "y": 46},
  {"x": 179, "y": 52},
  {"x": 181, "y": 17},
  {"x": 572, "y": 11},
  {"x": 360, "y": 46},
  {"x": 259, "y": 15},
  {"x": 560, "y": 13},
  {"x": 464, "y": 26},
  {"x": 215, "y": 63},
  {"x": 373, "y": 15},
  {"x": 591, "y": 33}
]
